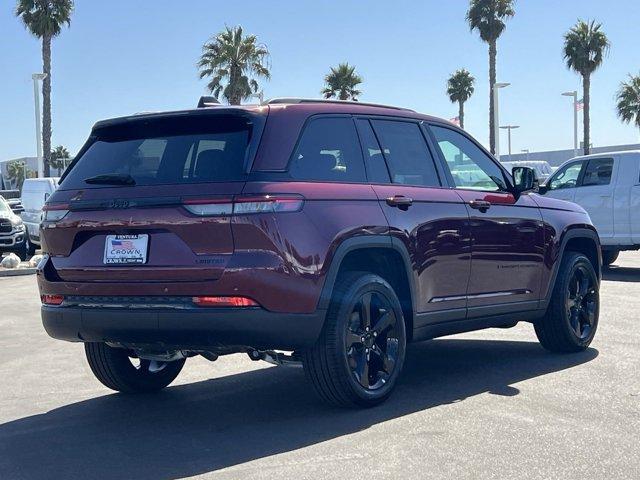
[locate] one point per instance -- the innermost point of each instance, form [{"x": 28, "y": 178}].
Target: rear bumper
[{"x": 189, "y": 328}]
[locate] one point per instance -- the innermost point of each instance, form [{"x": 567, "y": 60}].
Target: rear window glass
[{"x": 166, "y": 151}]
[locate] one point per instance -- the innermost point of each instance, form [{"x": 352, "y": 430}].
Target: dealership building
[{"x": 558, "y": 157}]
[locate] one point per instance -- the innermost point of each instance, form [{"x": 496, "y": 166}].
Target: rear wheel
[
  {"x": 118, "y": 369},
  {"x": 360, "y": 353},
  {"x": 571, "y": 320},
  {"x": 609, "y": 256}
]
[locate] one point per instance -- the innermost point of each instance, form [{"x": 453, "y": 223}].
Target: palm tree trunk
[
  {"x": 46, "y": 103},
  {"x": 461, "y": 113},
  {"x": 493, "y": 52},
  {"x": 586, "y": 87}
]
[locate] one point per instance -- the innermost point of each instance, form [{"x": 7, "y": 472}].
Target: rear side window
[
  {"x": 408, "y": 157},
  {"x": 328, "y": 151},
  {"x": 598, "y": 172},
  {"x": 166, "y": 151}
]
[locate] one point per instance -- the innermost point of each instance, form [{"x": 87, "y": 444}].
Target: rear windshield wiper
[{"x": 111, "y": 179}]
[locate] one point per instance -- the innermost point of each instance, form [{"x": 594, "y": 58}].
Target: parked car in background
[
  {"x": 338, "y": 231},
  {"x": 13, "y": 199},
  {"x": 35, "y": 192},
  {"x": 542, "y": 168},
  {"x": 607, "y": 186},
  {"x": 13, "y": 235}
]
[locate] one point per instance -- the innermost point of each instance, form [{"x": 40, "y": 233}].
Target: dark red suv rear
[{"x": 336, "y": 231}]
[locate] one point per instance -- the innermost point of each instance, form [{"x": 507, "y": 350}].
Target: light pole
[
  {"x": 496, "y": 122},
  {"x": 526, "y": 150},
  {"x": 36, "y": 99},
  {"x": 574, "y": 94},
  {"x": 509, "y": 128}
]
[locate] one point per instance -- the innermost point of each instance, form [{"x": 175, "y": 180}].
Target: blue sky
[{"x": 125, "y": 56}]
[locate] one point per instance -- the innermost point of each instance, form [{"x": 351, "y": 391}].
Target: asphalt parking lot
[{"x": 490, "y": 404}]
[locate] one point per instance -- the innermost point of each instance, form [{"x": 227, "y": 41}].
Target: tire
[
  {"x": 23, "y": 251},
  {"x": 351, "y": 365},
  {"x": 115, "y": 370},
  {"x": 609, "y": 256},
  {"x": 571, "y": 320},
  {"x": 31, "y": 249}
]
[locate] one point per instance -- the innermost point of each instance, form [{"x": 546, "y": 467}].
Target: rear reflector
[
  {"x": 52, "y": 299},
  {"x": 224, "y": 302}
]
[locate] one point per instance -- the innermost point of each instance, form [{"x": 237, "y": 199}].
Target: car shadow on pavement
[
  {"x": 205, "y": 426},
  {"x": 621, "y": 274}
]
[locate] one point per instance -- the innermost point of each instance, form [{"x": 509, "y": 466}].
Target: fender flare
[
  {"x": 586, "y": 231},
  {"x": 365, "y": 242}
]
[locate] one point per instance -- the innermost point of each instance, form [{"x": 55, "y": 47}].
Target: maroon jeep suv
[{"x": 323, "y": 233}]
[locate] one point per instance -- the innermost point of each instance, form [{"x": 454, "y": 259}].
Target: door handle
[
  {"x": 399, "y": 201},
  {"x": 481, "y": 205}
]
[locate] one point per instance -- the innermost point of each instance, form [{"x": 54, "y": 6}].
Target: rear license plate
[{"x": 126, "y": 249}]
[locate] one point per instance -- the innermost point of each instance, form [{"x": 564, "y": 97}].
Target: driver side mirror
[{"x": 525, "y": 179}]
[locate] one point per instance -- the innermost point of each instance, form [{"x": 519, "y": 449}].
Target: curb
[{"x": 16, "y": 272}]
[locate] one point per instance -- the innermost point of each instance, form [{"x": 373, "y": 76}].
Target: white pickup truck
[{"x": 607, "y": 186}]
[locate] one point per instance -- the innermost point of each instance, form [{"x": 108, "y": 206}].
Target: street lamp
[
  {"x": 509, "y": 128},
  {"x": 496, "y": 131},
  {"x": 574, "y": 94},
  {"x": 37, "y": 77}
]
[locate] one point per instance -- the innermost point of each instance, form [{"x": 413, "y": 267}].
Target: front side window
[
  {"x": 406, "y": 152},
  {"x": 470, "y": 167},
  {"x": 598, "y": 172},
  {"x": 566, "y": 177},
  {"x": 328, "y": 151}
]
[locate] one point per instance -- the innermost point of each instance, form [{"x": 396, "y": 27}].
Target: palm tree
[
  {"x": 17, "y": 171},
  {"x": 45, "y": 19},
  {"x": 59, "y": 157},
  {"x": 232, "y": 60},
  {"x": 585, "y": 47},
  {"x": 460, "y": 88},
  {"x": 341, "y": 82},
  {"x": 628, "y": 97},
  {"x": 488, "y": 17}
]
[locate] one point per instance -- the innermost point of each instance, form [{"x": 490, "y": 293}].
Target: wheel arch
[
  {"x": 379, "y": 254},
  {"x": 581, "y": 239}
]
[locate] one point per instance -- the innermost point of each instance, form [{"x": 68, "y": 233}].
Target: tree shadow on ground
[{"x": 202, "y": 427}]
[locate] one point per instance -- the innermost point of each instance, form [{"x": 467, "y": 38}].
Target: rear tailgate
[{"x": 128, "y": 207}]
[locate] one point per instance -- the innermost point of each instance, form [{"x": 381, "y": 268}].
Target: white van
[
  {"x": 607, "y": 186},
  {"x": 35, "y": 192}
]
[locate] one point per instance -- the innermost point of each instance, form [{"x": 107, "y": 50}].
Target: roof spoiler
[{"x": 207, "y": 101}]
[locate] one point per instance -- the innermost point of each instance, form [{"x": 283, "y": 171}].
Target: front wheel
[
  {"x": 360, "y": 352},
  {"x": 118, "y": 369},
  {"x": 571, "y": 320}
]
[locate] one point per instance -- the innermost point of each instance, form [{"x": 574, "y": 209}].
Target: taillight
[
  {"x": 268, "y": 204},
  {"x": 244, "y": 205},
  {"x": 208, "y": 207},
  {"x": 53, "y": 212},
  {"x": 224, "y": 302},
  {"x": 48, "y": 299}
]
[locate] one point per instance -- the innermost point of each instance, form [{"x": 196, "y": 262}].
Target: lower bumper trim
[{"x": 252, "y": 327}]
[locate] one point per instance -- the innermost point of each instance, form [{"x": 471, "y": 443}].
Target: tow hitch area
[{"x": 276, "y": 358}]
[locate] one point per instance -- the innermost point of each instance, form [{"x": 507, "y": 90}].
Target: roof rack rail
[{"x": 295, "y": 100}]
